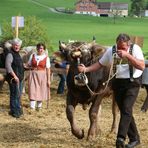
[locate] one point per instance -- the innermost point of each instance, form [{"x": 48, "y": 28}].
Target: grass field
[{"x": 75, "y": 27}]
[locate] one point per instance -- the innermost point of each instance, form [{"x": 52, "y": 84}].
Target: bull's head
[{"x": 81, "y": 52}]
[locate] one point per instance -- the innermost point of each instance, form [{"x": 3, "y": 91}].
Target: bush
[{"x": 32, "y": 33}]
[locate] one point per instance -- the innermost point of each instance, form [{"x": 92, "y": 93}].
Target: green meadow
[{"x": 66, "y": 27}]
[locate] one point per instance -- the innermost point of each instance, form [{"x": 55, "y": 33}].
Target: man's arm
[
  {"x": 93, "y": 67},
  {"x": 137, "y": 63},
  {"x": 8, "y": 62}
]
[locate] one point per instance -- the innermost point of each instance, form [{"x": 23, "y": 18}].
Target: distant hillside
[
  {"x": 124, "y": 1},
  {"x": 61, "y": 26}
]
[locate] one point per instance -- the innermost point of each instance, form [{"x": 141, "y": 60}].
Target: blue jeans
[
  {"x": 15, "y": 96},
  {"x": 61, "y": 84}
]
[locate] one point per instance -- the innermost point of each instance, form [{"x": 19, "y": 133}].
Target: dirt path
[
  {"x": 44, "y": 6},
  {"x": 49, "y": 128}
]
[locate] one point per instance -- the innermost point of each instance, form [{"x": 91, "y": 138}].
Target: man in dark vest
[
  {"x": 14, "y": 77},
  {"x": 126, "y": 83}
]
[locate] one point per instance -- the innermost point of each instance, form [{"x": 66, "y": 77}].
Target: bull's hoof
[
  {"x": 91, "y": 138},
  {"x": 84, "y": 106},
  {"x": 143, "y": 109},
  {"x": 80, "y": 136},
  {"x": 113, "y": 130}
]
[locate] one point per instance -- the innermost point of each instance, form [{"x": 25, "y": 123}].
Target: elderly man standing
[
  {"x": 128, "y": 68},
  {"x": 14, "y": 77}
]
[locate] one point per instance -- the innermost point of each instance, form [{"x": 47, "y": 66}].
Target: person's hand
[
  {"x": 16, "y": 79},
  {"x": 81, "y": 68},
  {"x": 48, "y": 84},
  {"x": 122, "y": 53},
  {"x": 26, "y": 66}
]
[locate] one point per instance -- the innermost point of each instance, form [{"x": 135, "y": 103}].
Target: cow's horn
[
  {"x": 94, "y": 38},
  {"x": 62, "y": 45},
  {"x": 90, "y": 45}
]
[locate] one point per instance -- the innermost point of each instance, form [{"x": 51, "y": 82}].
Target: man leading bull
[{"x": 128, "y": 69}]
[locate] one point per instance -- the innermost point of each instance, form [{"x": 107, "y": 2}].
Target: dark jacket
[{"x": 17, "y": 66}]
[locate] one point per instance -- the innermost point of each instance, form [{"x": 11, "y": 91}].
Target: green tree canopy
[
  {"x": 32, "y": 33},
  {"x": 137, "y": 6}
]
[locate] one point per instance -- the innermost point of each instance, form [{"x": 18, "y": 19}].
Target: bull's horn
[
  {"x": 94, "y": 38},
  {"x": 90, "y": 45},
  {"x": 62, "y": 45}
]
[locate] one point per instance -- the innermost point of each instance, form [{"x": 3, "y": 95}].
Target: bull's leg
[
  {"x": 2, "y": 80},
  {"x": 70, "y": 109},
  {"x": 115, "y": 111},
  {"x": 145, "y": 104},
  {"x": 93, "y": 115}
]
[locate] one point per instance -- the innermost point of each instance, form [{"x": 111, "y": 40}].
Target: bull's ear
[
  {"x": 97, "y": 50},
  {"x": 58, "y": 56},
  {"x": 91, "y": 44}
]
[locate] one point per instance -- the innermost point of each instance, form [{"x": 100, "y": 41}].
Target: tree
[
  {"x": 32, "y": 33},
  {"x": 137, "y": 6},
  {"x": 146, "y": 7},
  {"x": 115, "y": 12}
]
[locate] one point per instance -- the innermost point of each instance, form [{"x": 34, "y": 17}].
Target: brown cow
[{"x": 86, "y": 88}]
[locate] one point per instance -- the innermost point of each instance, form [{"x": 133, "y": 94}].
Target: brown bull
[{"x": 88, "y": 88}]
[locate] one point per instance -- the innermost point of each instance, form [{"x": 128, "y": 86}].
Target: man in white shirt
[{"x": 126, "y": 83}]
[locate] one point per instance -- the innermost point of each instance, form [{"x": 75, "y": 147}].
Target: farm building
[
  {"x": 91, "y": 7},
  {"x": 144, "y": 13}
]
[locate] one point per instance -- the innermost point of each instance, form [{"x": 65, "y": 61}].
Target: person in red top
[{"x": 39, "y": 77}]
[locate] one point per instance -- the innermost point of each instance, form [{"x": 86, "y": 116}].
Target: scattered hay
[{"x": 49, "y": 128}]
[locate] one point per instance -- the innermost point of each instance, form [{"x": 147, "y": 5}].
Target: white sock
[
  {"x": 32, "y": 104},
  {"x": 39, "y": 104}
]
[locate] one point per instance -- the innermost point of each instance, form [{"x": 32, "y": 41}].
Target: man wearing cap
[{"x": 15, "y": 75}]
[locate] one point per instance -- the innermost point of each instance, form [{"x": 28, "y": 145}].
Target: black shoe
[
  {"x": 16, "y": 115},
  {"x": 21, "y": 112},
  {"x": 143, "y": 109},
  {"x": 120, "y": 143},
  {"x": 132, "y": 144},
  {"x": 60, "y": 93}
]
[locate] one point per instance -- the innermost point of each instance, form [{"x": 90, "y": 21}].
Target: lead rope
[
  {"x": 130, "y": 66},
  {"x": 112, "y": 74}
]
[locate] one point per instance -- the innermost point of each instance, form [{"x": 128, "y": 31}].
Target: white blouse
[{"x": 39, "y": 58}]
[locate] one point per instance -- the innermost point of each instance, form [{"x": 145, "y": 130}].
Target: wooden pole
[{"x": 16, "y": 26}]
